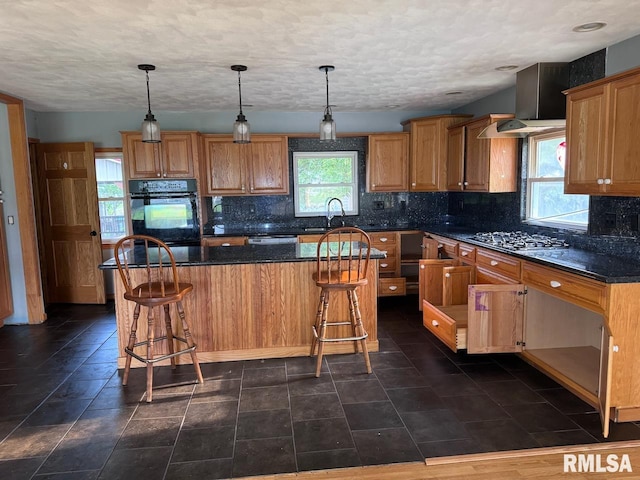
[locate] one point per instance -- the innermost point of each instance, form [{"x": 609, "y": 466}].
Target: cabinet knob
[
  {"x": 243, "y": 188},
  {"x": 447, "y": 275},
  {"x": 384, "y": 265},
  {"x": 555, "y": 284},
  {"x": 225, "y": 245},
  {"x": 464, "y": 254},
  {"x": 393, "y": 288},
  {"x": 600, "y": 181},
  {"x": 615, "y": 348},
  {"x": 440, "y": 245},
  {"x": 493, "y": 263},
  {"x": 421, "y": 267},
  {"x": 373, "y": 185},
  {"x": 466, "y": 183},
  {"x": 434, "y": 323},
  {"x": 164, "y": 175},
  {"x": 413, "y": 184},
  {"x": 383, "y": 239},
  {"x": 459, "y": 184},
  {"x": 158, "y": 174},
  {"x": 1, "y": 200},
  {"x": 607, "y": 181}
]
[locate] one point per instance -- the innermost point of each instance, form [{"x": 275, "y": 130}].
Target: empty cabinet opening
[{"x": 565, "y": 337}]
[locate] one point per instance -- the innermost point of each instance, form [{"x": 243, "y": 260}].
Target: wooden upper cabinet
[
  {"x": 603, "y": 120},
  {"x": 387, "y": 162},
  {"x": 257, "y": 168},
  {"x": 455, "y": 158},
  {"x": 175, "y": 157},
  {"x": 428, "y": 153},
  {"x": 488, "y": 164}
]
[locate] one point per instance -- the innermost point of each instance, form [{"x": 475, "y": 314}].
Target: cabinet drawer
[
  {"x": 392, "y": 286},
  {"x": 501, "y": 264},
  {"x": 389, "y": 264},
  {"x": 467, "y": 253},
  {"x": 573, "y": 288},
  {"x": 222, "y": 241},
  {"x": 443, "y": 326},
  {"x": 383, "y": 237}
]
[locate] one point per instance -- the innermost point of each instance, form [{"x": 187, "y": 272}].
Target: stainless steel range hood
[{"x": 540, "y": 103}]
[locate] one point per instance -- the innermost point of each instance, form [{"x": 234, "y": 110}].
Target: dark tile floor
[{"x": 64, "y": 414}]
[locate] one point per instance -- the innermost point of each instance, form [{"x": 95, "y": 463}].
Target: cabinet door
[
  {"x": 476, "y": 165},
  {"x": 430, "y": 248},
  {"x": 495, "y": 320},
  {"x": 177, "y": 152},
  {"x": 142, "y": 159},
  {"x": 455, "y": 158},
  {"x": 604, "y": 379},
  {"x": 387, "y": 163},
  {"x": 427, "y": 168},
  {"x": 455, "y": 284},
  {"x": 224, "y": 166},
  {"x": 430, "y": 277},
  {"x": 268, "y": 165},
  {"x": 586, "y": 128},
  {"x": 223, "y": 241},
  {"x": 623, "y": 146}
]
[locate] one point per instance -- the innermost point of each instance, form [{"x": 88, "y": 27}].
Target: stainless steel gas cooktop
[{"x": 519, "y": 240}]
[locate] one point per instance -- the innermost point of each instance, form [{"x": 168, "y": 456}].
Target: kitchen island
[{"x": 249, "y": 302}]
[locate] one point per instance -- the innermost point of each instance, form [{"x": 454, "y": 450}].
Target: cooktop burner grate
[{"x": 519, "y": 240}]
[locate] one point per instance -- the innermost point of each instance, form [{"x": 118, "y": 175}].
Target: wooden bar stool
[
  {"x": 161, "y": 288},
  {"x": 342, "y": 262}
]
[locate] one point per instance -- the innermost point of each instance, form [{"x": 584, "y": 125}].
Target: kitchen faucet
[{"x": 330, "y": 215}]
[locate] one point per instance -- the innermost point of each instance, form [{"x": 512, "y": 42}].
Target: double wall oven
[{"x": 166, "y": 209}]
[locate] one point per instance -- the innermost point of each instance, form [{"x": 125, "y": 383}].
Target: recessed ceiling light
[
  {"x": 505, "y": 68},
  {"x": 589, "y": 27},
  {"x": 454, "y": 93},
  {"x": 391, "y": 106}
]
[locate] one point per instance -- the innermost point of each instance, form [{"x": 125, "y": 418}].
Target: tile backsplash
[{"x": 401, "y": 209}]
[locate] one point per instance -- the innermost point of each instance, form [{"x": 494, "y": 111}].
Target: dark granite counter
[
  {"x": 598, "y": 266},
  {"x": 279, "y": 230},
  {"x": 195, "y": 256}
]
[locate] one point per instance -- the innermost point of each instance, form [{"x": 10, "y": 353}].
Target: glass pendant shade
[
  {"x": 241, "y": 130},
  {"x": 327, "y": 128},
  {"x": 150, "y": 130}
]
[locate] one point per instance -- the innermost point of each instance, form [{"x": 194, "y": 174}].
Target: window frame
[
  {"x": 354, "y": 185},
  {"x": 531, "y": 180},
  {"x": 112, "y": 153}
]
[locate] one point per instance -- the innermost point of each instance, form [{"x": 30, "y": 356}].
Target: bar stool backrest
[
  {"x": 155, "y": 257},
  {"x": 343, "y": 255}
]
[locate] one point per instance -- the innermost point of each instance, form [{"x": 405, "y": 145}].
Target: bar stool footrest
[{"x": 161, "y": 357}]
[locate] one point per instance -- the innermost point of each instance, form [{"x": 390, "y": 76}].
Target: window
[
  {"x": 320, "y": 176},
  {"x": 111, "y": 197},
  {"x": 547, "y": 204}
]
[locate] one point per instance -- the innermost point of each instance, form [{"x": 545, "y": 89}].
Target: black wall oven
[{"x": 166, "y": 209}]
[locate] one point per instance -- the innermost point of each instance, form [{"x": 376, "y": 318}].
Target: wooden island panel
[{"x": 250, "y": 311}]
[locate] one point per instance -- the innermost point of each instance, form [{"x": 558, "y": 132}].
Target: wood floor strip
[{"x": 537, "y": 463}]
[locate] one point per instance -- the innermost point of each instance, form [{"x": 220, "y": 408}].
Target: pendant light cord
[
  {"x": 326, "y": 74},
  {"x": 148, "y": 96},
  {"x": 240, "y": 93}
]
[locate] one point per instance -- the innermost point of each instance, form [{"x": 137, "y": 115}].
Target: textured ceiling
[{"x": 78, "y": 55}]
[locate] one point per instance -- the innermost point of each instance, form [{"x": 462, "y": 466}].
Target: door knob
[{"x": 93, "y": 233}]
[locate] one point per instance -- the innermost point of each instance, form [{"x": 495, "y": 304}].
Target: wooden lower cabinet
[{"x": 580, "y": 332}]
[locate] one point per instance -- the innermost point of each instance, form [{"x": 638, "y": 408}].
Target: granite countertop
[
  {"x": 285, "y": 230},
  {"x": 195, "y": 256},
  {"x": 598, "y": 266}
]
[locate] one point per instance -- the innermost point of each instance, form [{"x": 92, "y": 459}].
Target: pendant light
[
  {"x": 327, "y": 125},
  {"x": 150, "y": 127},
  {"x": 241, "y": 128}
]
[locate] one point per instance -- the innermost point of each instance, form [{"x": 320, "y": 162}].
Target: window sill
[{"x": 557, "y": 225}]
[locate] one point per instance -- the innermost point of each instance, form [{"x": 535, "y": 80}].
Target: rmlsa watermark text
[{"x": 596, "y": 463}]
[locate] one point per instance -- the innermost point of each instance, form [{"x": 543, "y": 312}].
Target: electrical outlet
[
  {"x": 610, "y": 220},
  {"x": 378, "y": 205}
]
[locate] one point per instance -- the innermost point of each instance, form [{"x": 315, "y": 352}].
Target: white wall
[
  {"x": 623, "y": 56},
  {"x": 103, "y": 128},
  {"x": 14, "y": 249}
]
